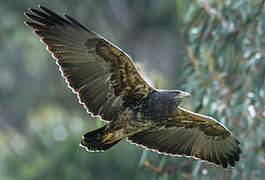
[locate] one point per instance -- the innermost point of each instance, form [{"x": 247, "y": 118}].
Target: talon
[{"x": 108, "y": 138}]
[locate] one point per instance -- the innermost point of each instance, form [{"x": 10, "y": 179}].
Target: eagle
[{"x": 110, "y": 87}]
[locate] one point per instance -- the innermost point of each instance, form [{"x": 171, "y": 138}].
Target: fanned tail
[{"x": 93, "y": 141}]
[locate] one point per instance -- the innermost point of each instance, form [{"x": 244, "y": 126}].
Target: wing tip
[
  {"x": 31, "y": 9},
  {"x": 31, "y": 25},
  {"x": 26, "y": 23},
  {"x": 25, "y": 14},
  {"x": 41, "y": 7}
]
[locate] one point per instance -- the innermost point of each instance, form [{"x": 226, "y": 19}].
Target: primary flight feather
[{"x": 109, "y": 85}]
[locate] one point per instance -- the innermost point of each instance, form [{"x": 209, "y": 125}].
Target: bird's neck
[{"x": 159, "y": 105}]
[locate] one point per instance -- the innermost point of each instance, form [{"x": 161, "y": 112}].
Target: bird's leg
[
  {"x": 115, "y": 131},
  {"x": 125, "y": 125},
  {"x": 114, "y": 136},
  {"x": 107, "y": 138}
]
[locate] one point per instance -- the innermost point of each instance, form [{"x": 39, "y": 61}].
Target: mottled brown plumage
[{"x": 109, "y": 85}]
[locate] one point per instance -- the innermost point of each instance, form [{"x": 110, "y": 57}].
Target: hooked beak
[{"x": 184, "y": 95}]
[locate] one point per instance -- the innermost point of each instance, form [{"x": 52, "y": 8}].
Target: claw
[{"x": 108, "y": 138}]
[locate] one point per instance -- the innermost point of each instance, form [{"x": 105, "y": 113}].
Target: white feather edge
[
  {"x": 178, "y": 155},
  {"x": 53, "y": 56}
]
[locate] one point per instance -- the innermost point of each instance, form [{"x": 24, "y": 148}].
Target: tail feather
[{"x": 93, "y": 141}]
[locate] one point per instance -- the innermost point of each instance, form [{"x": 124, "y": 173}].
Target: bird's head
[{"x": 178, "y": 96}]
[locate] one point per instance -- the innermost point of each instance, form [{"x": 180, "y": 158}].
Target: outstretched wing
[
  {"x": 193, "y": 135},
  {"x": 103, "y": 76}
]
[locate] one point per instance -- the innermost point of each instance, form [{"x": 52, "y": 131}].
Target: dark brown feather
[
  {"x": 102, "y": 75},
  {"x": 192, "y": 135}
]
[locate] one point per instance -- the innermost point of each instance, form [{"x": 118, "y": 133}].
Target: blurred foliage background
[{"x": 212, "y": 48}]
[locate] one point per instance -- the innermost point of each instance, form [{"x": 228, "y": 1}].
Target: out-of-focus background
[{"x": 213, "y": 49}]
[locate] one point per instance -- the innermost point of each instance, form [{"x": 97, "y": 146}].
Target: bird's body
[
  {"x": 109, "y": 85},
  {"x": 143, "y": 114}
]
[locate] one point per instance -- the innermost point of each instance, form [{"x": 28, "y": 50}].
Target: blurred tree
[
  {"x": 41, "y": 121},
  {"x": 225, "y": 71}
]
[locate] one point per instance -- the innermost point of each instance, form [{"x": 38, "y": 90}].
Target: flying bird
[{"x": 109, "y": 86}]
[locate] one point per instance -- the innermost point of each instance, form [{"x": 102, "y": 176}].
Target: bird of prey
[{"x": 109, "y": 86}]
